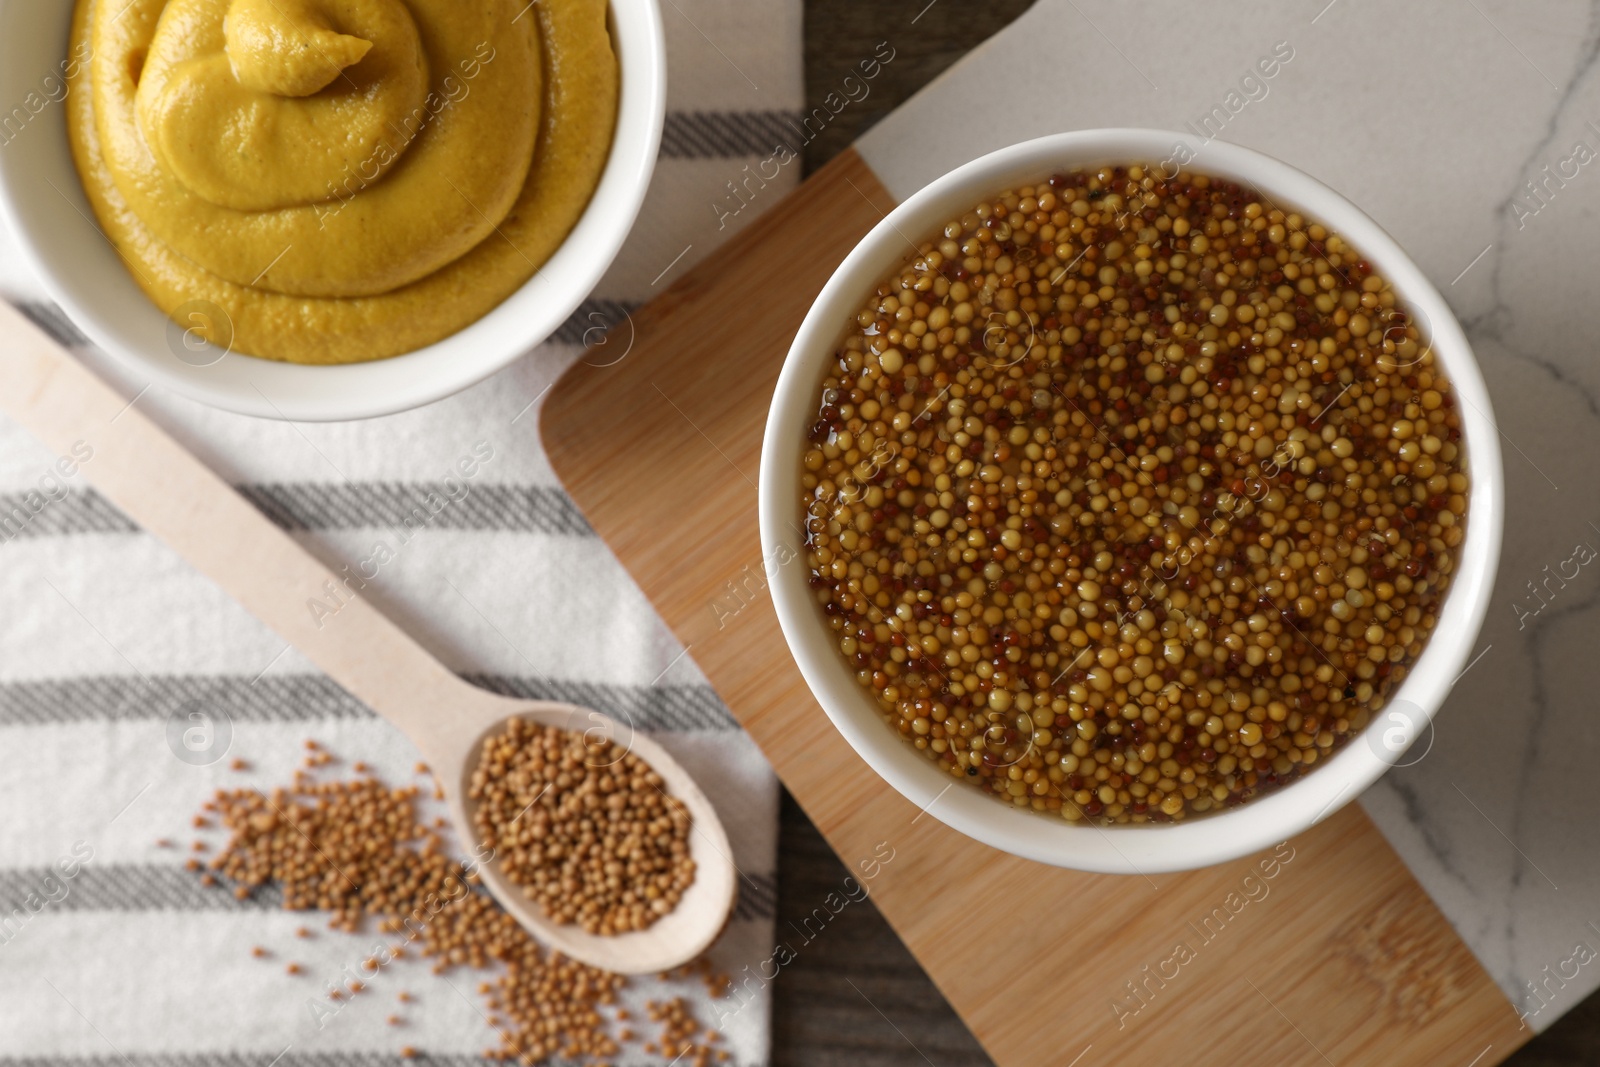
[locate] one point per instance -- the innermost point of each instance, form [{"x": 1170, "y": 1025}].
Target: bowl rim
[
  {"x": 323, "y": 393},
  {"x": 1135, "y": 849}
]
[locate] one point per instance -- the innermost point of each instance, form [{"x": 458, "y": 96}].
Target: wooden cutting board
[{"x": 1338, "y": 958}]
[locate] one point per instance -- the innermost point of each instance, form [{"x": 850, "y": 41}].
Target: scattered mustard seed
[{"x": 358, "y": 850}]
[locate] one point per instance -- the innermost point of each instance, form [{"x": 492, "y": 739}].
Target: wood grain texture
[
  {"x": 856, "y": 994},
  {"x": 1341, "y": 959}
]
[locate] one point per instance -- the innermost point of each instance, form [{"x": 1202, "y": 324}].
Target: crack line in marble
[
  {"x": 1416, "y": 815},
  {"x": 1495, "y": 323}
]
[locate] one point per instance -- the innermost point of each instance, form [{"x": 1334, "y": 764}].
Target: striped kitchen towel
[{"x": 110, "y": 952}]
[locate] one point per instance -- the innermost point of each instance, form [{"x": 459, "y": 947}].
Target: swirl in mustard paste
[{"x": 346, "y": 179}]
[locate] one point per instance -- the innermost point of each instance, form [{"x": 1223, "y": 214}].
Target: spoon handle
[{"x": 160, "y": 485}]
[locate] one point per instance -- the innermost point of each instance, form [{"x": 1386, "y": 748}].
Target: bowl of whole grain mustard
[
  {"x": 1139, "y": 516},
  {"x": 325, "y": 209}
]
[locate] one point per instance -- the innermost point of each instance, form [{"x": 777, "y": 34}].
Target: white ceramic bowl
[
  {"x": 1211, "y": 838},
  {"x": 43, "y": 202}
]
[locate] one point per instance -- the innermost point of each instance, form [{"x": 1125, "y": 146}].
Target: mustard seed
[
  {"x": 585, "y": 827},
  {"x": 358, "y": 850},
  {"x": 1132, "y": 497}
]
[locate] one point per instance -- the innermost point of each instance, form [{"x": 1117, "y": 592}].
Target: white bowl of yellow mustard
[{"x": 325, "y": 209}]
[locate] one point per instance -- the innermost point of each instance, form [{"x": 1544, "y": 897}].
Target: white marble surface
[{"x": 1434, "y": 118}]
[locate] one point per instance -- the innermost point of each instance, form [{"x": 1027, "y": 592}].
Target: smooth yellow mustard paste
[{"x": 345, "y": 180}]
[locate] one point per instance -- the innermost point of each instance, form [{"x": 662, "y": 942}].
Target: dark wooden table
[{"x": 822, "y": 1018}]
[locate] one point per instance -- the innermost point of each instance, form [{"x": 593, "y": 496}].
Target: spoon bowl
[
  {"x": 452, "y": 751},
  {"x": 169, "y": 492}
]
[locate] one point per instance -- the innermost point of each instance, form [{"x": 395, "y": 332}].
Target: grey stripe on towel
[
  {"x": 324, "y": 506},
  {"x": 355, "y": 505},
  {"x": 168, "y": 887},
  {"x": 312, "y": 697}
]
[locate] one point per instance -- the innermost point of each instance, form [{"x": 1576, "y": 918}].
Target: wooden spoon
[{"x": 169, "y": 492}]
